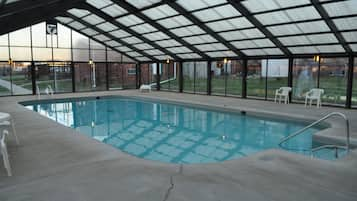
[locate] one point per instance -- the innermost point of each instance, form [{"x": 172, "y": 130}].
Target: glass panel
[
  {"x": 4, "y": 41},
  {"x": 333, "y": 79},
  {"x": 147, "y": 74},
  {"x": 80, "y": 55},
  {"x": 83, "y": 77},
  {"x": 169, "y": 77},
  {"x": 115, "y": 76},
  {"x": 201, "y": 77},
  {"x": 64, "y": 36},
  {"x": 5, "y": 78},
  {"x": 39, "y": 35},
  {"x": 20, "y": 53},
  {"x": 305, "y": 73},
  {"x": 354, "y": 89},
  {"x": 219, "y": 81},
  {"x": 277, "y": 72},
  {"x": 21, "y": 78},
  {"x": 79, "y": 40},
  {"x": 234, "y": 77},
  {"x": 188, "y": 73},
  {"x": 62, "y": 54},
  {"x": 4, "y": 53},
  {"x": 256, "y": 80},
  {"x": 129, "y": 76},
  {"x": 42, "y": 54},
  {"x": 21, "y": 38}
]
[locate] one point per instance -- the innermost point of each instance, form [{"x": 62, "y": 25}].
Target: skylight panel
[
  {"x": 113, "y": 43},
  {"x": 76, "y": 25},
  {"x": 346, "y": 23},
  {"x": 306, "y": 27},
  {"x": 142, "y": 58},
  {"x": 221, "y": 54},
  {"x": 330, "y": 48},
  {"x": 142, "y": 3},
  {"x": 199, "y": 4},
  {"x": 99, "y": 4},
  {"x": 304, "y": 50},
  {"x": 64, "y": 20},
  {"x": 123, "y": 49},
  {"x": 294, "y": 40},
  {"x": 220, "y": 12},
  {"x": 93, "y": 19},
  {"x": 160, "y": 12},
  {"x": 341, "y": 8},
  {"x": 200, "y": 39},
  {"x": 134, "y": 54},
  {"x": 89, "y": 31},
  {"x": 272, "y": 51},
  {"x": 114, "y": 10},
  {"x": 255, "y": 6},
  {"x": 354, "y": 47},
  {"x": 253, "y": 43},
  {"x": 107, "y": 26},
  {"x": 143, "y": 46},
  {"x": 168, "y": 43},
  {"x": 231, "y": 24},
  {"x": 78, "y": 12},
  {"x": 188, "y": 31},
  {"x": 189, "y": 56},
  {"x": 101, "y": 37},
  {"x": 119, "y": 33},
  {"x": 178, "y": 50},
  {"x": 350, "y": 36},
  {"x": 144, "y": 28},
  {"x": 130, "y": 20},
  {"x": 211, "y": 47},
  {"x": 132, "y": 40},
  {"x": 156, "y": 36},
  {"x": 243, "y": 34},
  {"x": 153, "y": 52},
  {"x": 174, "y": 22},
  {"x": 322, "y": 38},
  {"x": 163, "y": 57}
]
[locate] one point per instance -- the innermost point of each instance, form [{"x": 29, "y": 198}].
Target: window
[
  {"x": 256, "y": 79},
  {"x": 169, "y": 77},
  {"x": 227, "y": 78},
  {"x": 131, "y": 71},
  {"x": 277, "y": 71},
  {"x": 305, "y": 72},
  {"x": 195, "y": 77}
]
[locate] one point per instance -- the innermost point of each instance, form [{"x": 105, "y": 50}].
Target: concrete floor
[{"x": 57, "y": 163}]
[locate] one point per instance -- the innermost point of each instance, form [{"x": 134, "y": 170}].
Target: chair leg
[
  {"x": 5, "y": 157},
  {"x": 14, "y": 131},
  {"x": 310, "y": 102},
  {"x": 275, "y": 98}
]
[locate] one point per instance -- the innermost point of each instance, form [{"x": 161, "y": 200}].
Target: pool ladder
[{"x": 333, "y": 146}]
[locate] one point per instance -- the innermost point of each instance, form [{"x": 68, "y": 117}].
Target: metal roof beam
[
  {"x": 133, "y": 10},
  {"x": 122, "y": 26},
  {"x": 331, "y": 25},
  {"x": 204, "y": 27},
  {"x": 245, "y": 12}
]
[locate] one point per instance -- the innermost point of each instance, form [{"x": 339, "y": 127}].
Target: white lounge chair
[
  {"x": 283, "y": 92},
  {"x": 49, "y": 91},
  {"x": 4, "y": 153},
  {"x": 145, "y": 87},
  {"x": 314, "y": 94}
]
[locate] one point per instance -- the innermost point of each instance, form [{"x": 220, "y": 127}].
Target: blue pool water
[{"x": 174, "y": 133}]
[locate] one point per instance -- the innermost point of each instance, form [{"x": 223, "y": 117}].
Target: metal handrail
[
  {"x": 319, "y": 121},
  {"x": 329, "y": 146}
]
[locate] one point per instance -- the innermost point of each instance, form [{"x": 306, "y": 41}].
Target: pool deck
[{"x": 56, "y": 163}]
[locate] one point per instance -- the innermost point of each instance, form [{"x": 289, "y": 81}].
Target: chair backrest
[
  {"x": 316, "y": 92},
  {"x": 285, "y": 90}
]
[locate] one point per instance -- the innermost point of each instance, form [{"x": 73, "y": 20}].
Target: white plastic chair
[
  {"x": 314, "y": 94},
  {"x": 4, "y": 152},
  {"x": 49, "y": 91},
  {"x": 38, "y": 92},
  {"x": 283, "y": 92},
  {"x": 145, "y": 87}
]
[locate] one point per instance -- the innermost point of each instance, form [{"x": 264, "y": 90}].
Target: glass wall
[
  {"x": 256, "y": 81},
  {"x": 129, "y": 76},
  {"x": 333, "y": 79},
  {"x": 305, "y": 76},
  {"x": 195, "y": 77},
  {"x": 53, "y": 56},
  {"x": 227, "y": 78}
]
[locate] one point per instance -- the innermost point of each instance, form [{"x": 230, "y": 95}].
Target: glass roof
[{"x": 191, "y": 29}]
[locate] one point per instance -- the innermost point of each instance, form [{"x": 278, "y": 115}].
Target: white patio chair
[
  {"x": 145, "y": 87},
  {"x": 283, "y": 92},
  {"x": 7, "y": 121},
  {"x": 314, "y": 94},
  {"x": 4, "y": 153},
  {"x": 49, "y": 91}
]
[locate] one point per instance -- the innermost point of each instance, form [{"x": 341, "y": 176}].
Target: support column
[
  {"x": 181, "y": 77},
  {"x": 158, "y": 76},
  {"x": 290, "y": 76},
  {"x": 73, "y": 77},
  {"x": 209, "y": 77},
  {"x": 33, "y": 77},
  {"x": 350, "y": 82},
  {"x": 106, "y": 69},
  {"x": 244, "y": 78},
  {"x": 138, "y": 73}
]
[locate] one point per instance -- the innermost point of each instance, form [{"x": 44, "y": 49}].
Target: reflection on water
[{"x": 172, "y": 133}]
